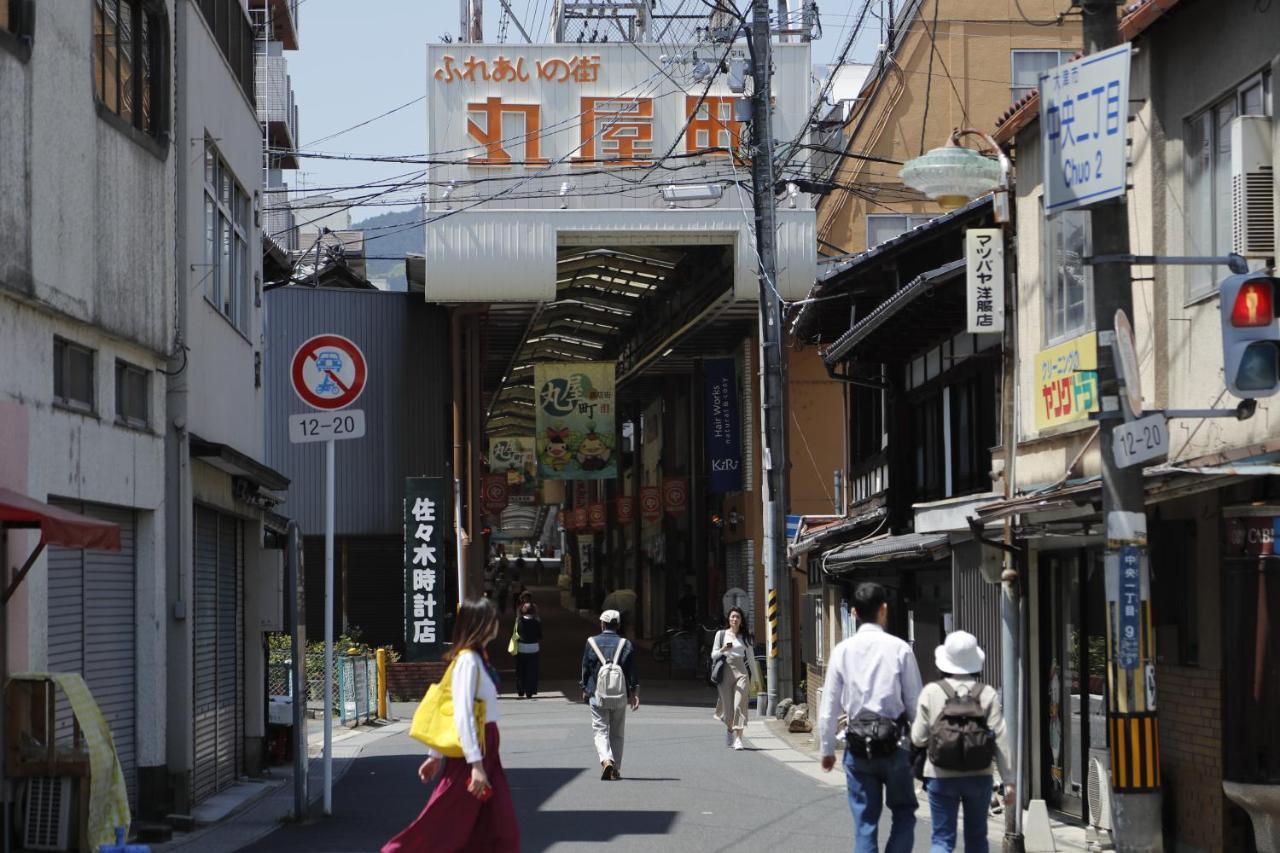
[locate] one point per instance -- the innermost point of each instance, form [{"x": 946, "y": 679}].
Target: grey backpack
[{"x": 959, "y": 739}]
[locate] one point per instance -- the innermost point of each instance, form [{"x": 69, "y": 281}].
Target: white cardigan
[
  {"x": 740, "y": 652},
  {"x": 463, "y": 685}
]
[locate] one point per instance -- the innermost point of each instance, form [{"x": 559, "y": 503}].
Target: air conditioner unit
[
  {"x": 48, "y": 812},
  {"x": 1253, "y": 211},
  {"x": 1098, "y": 789}
]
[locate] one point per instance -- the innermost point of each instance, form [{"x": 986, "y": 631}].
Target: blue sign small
[
  {"x": 723, "y": 425},
  {"x": 1129, "y": 606}
]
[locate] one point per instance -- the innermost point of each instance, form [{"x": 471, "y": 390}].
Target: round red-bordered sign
[{"x": 328, "y": 372}]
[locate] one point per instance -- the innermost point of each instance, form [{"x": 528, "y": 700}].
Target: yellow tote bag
[
  {"x": 433, "y": 721},
  {"x": 512, "y": 648}
]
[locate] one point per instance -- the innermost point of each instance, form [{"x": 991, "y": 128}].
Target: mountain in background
[{"x": 393, "y": 242}]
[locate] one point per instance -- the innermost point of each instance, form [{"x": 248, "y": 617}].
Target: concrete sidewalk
[
  {"x": 799, "y": 751},
  {"x": 254, "y": 808}
]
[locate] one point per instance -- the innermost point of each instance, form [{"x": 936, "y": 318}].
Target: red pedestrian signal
[{"x": 1250, "y": 334}]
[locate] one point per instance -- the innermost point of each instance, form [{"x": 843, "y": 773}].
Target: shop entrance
[{"x": 1073, "y": 661}]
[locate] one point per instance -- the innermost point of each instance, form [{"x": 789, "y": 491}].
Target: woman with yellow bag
[{"x": 471, "y": 808}]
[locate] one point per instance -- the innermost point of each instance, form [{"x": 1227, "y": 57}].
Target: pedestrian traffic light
[{"x": 1250, "y": 334}]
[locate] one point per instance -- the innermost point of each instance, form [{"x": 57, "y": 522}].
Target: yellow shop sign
[{"x": 1067, "y": 382}]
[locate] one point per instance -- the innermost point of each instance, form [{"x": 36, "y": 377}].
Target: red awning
[{"x": 58, "y": 526}]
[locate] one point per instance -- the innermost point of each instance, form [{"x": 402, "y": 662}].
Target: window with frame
[
  {"x": 1027, "y": 65},
  {"x": 128, "y": 62},
  {"x": 1068, "y": 296},
  {"x": 883, "y": 227},
  {"x": 73, "y": 375},
  {"x": 1207, "y": 175},
  {"x": 132, "y": 394},
  {"x": 226, "y": 228}
]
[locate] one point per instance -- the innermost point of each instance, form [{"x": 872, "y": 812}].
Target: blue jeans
[
  {"x": 873, "y": 783},
  {"x": 945, "y": 798}
]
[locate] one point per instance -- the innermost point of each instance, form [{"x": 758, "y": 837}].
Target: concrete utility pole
[
  {"x": 1131, "y": 715},
  {"x": 772, "y": 378},
  {"x": 471, "y": 25}
]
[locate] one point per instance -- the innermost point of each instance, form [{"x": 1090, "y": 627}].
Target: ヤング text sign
[
  {"x": 1066, "y": 382},
  {"x": 328, "y": 372},
  {"x": 1084, "y": 107}
]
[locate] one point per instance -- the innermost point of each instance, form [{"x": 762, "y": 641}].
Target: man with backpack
[
  {"x": 873, "y": 680},
  {"x": 960, "y": 723},
  {"x": 608, "y": 685}
]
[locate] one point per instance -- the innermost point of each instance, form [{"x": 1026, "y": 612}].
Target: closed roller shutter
[
  {"x": 93, "y": 629},
  {"x": 219, "y": 652}
]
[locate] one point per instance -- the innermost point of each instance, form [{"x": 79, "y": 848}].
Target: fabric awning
[
  {"x": 57, "y": 526},
  {"x": 883, "y": 549}
]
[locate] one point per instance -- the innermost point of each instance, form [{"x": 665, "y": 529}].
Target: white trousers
[{"x": 607, "y": 727}]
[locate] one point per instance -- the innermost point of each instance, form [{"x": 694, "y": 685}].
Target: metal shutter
[
  {"x": 92, "y": 629},
  {"x": 218, "y": 652}
]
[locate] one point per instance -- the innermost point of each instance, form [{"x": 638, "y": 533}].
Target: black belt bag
[{"x": 870, "y": 735}]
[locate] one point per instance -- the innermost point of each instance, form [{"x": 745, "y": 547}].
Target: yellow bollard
[{"x": 382, "y": 684}]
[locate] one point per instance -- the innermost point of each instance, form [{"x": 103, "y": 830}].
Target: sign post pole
[{"x": 328, "y": 627}]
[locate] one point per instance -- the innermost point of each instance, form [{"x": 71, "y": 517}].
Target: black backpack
[{"x": 959, "y": 739}]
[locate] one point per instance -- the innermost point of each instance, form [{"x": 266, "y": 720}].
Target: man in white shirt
[{"x": 872, "y": 678}]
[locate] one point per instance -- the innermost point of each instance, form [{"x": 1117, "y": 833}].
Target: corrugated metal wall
[
  {"x": 976, "y": 606},
  {"x": 406, "y": 404}
]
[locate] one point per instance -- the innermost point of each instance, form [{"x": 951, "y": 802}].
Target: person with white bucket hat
[{"x": 960, "y": 722}]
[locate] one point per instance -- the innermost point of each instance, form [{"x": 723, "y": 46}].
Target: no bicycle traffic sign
[{"x": 328, "y": 372}]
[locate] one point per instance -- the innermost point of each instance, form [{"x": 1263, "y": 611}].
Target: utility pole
[
  {"x": 471, "y": 25},
  {"x": 772, "y": 378},
  {"x": 1131, "y": 715}
]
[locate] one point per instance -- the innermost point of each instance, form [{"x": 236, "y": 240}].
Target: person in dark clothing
[
  {"x": 528, "y": 650},
  {"x": 504, "y": 591}
]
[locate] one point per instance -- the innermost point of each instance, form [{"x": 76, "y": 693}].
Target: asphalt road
[{"x": 682, "y": 791}]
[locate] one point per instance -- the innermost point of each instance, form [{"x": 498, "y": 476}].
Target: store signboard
[
  {"x": 574, "y": 407},
  {"x": 723, "y": 418},
  {"x": 428, "y": 603},
  {"x": 1066, "y": 382}
]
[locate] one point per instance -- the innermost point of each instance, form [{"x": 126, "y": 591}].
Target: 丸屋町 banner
[
  {"x": 723, "y": 418},
  {"x": 515, "y": 456},
  {"x": 574, "y": 404}
]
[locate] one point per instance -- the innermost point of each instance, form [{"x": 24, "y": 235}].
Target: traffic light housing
[{"x": 1250, "y": 309}]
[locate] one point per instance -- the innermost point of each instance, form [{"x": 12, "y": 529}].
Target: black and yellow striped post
[{"x": 772, "y": 609}]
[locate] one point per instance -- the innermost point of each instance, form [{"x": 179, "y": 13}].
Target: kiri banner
[
  {"x": 724, "y": 444},
  {"x": 428, "y": 605},
  {"x": 514, "y": 457},
  {"x": 575, "y": 419}
]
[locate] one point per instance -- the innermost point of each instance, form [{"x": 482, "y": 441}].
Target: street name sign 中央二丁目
[
  {"x": 1084, "y": 108},
  {"x": 1141, "y": 440},
  {"x": 326, "y": 426}
]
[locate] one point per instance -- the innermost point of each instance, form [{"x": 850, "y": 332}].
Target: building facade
[
  {"x": 87, "y": 285},
  {"x": 1200, "y": 79}
]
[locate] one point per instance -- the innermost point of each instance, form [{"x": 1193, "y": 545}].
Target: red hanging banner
[
  {"x": 650, "y": 504},
  {"x": 494, "y": 488},
  {"x": 626, "y": 509},
  {"x": 580, "y": 518},
  {"x": 675, "y": 495},
  {"x": 597, "y": 515}
]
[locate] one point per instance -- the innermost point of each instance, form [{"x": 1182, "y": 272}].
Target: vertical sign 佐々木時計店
[
  {"x": 428, "y": 606},
  {"x": 984, "y": 280},
  {"x": 724, "y": 444},
  {"x": 1084, "y": 107},
  {"x": 574, "y": 404}
]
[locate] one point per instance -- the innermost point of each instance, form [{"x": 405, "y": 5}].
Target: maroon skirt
[{"x": 456, "y": 822}]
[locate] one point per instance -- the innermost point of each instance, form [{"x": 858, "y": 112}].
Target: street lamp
[{"x": 954, "y": 175}]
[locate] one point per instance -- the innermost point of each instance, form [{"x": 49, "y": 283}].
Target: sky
[{"x": 357, "y": 61}]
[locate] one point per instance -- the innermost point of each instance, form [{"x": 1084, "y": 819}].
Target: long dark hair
[
  {"x": 477, "y": 617},
  {"x": 744, "y": 631}
]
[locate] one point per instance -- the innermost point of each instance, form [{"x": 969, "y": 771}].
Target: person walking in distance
[
  {"x": 960, "y": 721},
  {"x": 735, "y": 647},
  {"x": 528, "y": 649},
  {"x": 873, "y": 679},
  {"x": 609, "y": 685},
  {"x": 471, "y": 806}
]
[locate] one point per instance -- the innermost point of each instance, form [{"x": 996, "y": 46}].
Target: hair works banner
[
  {"x": 723, "y": 425},
  {"x": 574, "y": 405},
  {"x": 429, "y": 605},
  {"x": 515, "y": 457}
]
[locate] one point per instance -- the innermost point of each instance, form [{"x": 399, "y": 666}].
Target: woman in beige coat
[{"x": 735, "y": 646}]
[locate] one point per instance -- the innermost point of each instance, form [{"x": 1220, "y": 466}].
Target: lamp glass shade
[{"x": 952, "y": 175}]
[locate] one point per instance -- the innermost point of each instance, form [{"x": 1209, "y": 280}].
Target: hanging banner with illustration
[
  {"x": 574, "y": 402},
  {"x": 428, "y": 604},
  {"x": 515, "y": 456},
  {"x": 724, "y": 442}
]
